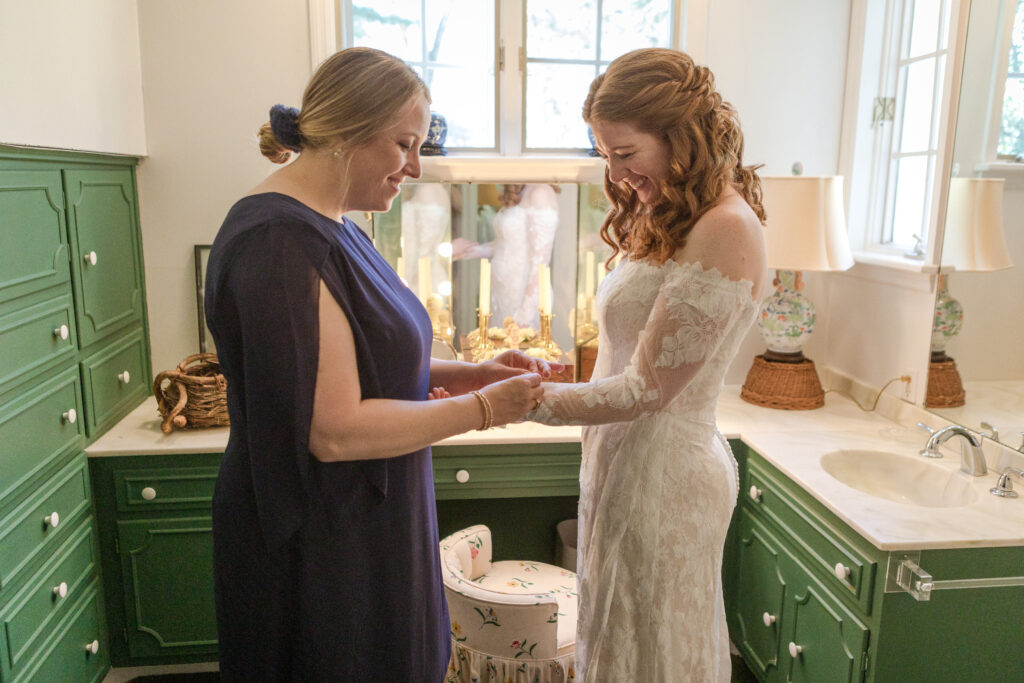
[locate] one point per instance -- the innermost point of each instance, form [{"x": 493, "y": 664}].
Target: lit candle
[
  {"x": 485, "y": 286},
  {"x": 545, "y": 289},
  {"x": 400, "y": 268},
  {"x": 588, "y": 274},
  {"x": 424, "y": 277}
]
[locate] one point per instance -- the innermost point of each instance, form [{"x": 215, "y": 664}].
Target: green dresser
[
  {"x": 807, "y": 597},
  {"x": 74, "y": 360},
  {"x": 154, "y": 520}
]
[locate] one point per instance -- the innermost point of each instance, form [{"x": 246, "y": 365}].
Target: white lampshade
[
  {"x": 973, "y": 237},
  {"x": 806, "y": 226}
]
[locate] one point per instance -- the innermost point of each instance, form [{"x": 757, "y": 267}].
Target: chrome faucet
[{"x": 972, "y": 459}]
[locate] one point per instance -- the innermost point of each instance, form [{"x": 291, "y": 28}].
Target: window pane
[
  {"x": 630, "y": 24},
  {"x": 919, "y": 90},
  {"x": 556, "y": 29},
  {"x": 460, "y": 32},
  {"x": 469, "y": 111},
  {"x": 1011, "y": 137},
  {"x": 910, "y": 212},
  {"x": 389, "y": 25},
  {"x": 554, "y": 105},
  {"x": 1017, "y": 43},
  {"x": 924, "y": 31}
]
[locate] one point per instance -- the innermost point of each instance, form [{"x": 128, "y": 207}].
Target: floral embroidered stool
[{"x": 512, "y": 620}]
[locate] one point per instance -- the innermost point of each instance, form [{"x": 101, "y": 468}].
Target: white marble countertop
[{"x": 792, "y": 441}]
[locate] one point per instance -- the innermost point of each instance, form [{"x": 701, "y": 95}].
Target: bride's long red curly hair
[{"x": 664, "y": 93}]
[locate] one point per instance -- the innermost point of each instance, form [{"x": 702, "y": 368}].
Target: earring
[{"x": 338, "y": 154}]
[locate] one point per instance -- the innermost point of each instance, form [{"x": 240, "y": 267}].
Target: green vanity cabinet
[
  {"x": 60, "y": 319},
  {"x": 807, "y": 597}
]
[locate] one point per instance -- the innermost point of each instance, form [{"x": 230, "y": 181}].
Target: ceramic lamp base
[
  {"x": 945, "y": 388},
  {"x": 783, "y": 385}
]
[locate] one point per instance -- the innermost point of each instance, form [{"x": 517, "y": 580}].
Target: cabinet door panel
[
  {"x": 113, "y": 379},
  {"x": 832, "y": 641},
  {"x": 101, "y": 214},
  {"x": 167, "y": 565},
  {"x": 760, "y": 589},
  {"x": 33, "y": 239}
]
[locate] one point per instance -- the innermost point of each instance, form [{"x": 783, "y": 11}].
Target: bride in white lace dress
[{"x": 658, "y": 482}]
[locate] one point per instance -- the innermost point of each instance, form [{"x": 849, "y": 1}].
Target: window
[
  {"x": 510, "y": 76},
  {"x": 1011, "y": 134}
]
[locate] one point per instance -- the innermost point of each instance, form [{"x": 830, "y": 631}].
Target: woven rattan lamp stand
[
  {"x": 945, "y": 388},
  {"x": 786, "y": 385}
]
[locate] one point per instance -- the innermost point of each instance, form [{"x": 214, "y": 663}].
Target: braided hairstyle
[
  {"x": 353, "y": 95},
  {"x": 664, "y": 93}
]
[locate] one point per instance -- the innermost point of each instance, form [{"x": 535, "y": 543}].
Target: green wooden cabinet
[
  {"x": 807, "y": 597},
  {"x": 68, "y": 328}
]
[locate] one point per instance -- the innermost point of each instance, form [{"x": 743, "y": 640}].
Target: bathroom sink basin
[{"x": 899, "y": 478}]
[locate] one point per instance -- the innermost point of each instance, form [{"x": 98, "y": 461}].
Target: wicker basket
[
  {"x": 945, "y": 389},
  {"x": 788, "y": 386},
  {"x": 195, "y": 394}
]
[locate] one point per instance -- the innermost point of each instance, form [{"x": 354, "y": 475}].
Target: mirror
[{"x": 982, "y": 264}]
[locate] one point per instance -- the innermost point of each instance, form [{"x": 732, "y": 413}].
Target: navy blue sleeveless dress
[{"x": 323, "y": 571}]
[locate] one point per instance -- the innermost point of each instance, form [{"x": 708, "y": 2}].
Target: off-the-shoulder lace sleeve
[{"x": 695, "y": 310}]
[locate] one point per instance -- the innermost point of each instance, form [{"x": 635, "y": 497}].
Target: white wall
[
  {"x": 71, "y": 77},
  {"x": 212, "y": 70}
]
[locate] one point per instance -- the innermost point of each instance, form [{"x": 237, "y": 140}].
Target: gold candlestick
[
  {"x": 482, "y": 349},
  {"x": 546, "y": 342}
]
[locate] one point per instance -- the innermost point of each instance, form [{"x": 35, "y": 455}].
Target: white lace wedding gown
[{"x": 658, "y": 481}]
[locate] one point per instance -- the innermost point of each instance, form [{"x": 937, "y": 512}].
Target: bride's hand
[{"x": 512, "y": 363}]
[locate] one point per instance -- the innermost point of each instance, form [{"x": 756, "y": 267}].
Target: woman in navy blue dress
[{"x": 324, "y": 524}]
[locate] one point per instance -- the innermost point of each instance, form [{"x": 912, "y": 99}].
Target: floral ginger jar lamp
[{"x": 805, "y": 230}]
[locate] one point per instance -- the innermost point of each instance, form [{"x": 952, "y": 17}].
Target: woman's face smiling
[
  {"x": 635, "y": 158},
  {"x": 379, "y": 167}
]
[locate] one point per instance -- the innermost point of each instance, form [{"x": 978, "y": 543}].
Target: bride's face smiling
[{"x": 634, "y": 157}]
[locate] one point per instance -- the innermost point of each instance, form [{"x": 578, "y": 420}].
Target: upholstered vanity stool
[{"x": 511, "y": 620}]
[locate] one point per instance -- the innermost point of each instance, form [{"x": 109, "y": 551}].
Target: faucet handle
[
  {"x": 994, "y": 435},
  {"x": 1021, "y": 449},
  {"x": 1004, "y": 487},
  {"x": 922, "y": 425}
]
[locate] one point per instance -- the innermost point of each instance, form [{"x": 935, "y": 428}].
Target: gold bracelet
[{"x": 488, "y": 412}]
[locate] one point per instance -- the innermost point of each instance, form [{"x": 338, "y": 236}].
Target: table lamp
[
  {"x": 805, "y": 230},
  {"x": 972, "y": 241}
]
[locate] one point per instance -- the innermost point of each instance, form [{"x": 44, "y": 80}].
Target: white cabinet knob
[
  {"x": 755, "y": 493},
  {"x": 93, "y": 647},
  {"x": 768, "y": 619},
  {"x": 53, "y": 519},
  {"x": 90, "y": 258},
  {"x": 148, "y": 493},
  {"x": 71, "y": 416},
  {"x": 841, "y": 571},
  {"x": 462, "y": 476},
  {"x": 61, "y": 591},
  {"x": 61, "y": 332},
  {"x": 124, "y": 377},
  {"x": 794, "y": 649}
]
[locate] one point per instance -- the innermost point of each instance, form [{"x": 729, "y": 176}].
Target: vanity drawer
[
  {"x": 38, "y": 427},
  {"x": 36, "y": 338},
  {"x": 113, "y": 379},
  {"x": 57, "y": 584},
  {"x": 836, "y": 561},
  {"x": 462, "y": 472},
  {"x": 78, "y": 650},
  {"x": 165, "y": 489},
  {"x": 32, "y": 527}
]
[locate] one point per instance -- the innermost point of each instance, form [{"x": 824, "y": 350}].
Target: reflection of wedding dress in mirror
[
  {"x": 524, "y": 234},
  {"x": 426, "y": 219}
]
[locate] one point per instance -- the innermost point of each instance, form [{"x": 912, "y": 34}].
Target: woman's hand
[
  {"x": 436, "y": 393},
  {"x": 513, "y": 397},
  {"x": 512, "y": 363},
  {"x": 463, "y": 248}
]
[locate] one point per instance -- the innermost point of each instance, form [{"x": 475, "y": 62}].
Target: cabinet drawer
[
  {"x": 483, "y": 472},
  {"x": 181, "y": 488},
  {"x": 830, "y": 554},
  {"x": 34, "y": 257},
  {"x": 34, "y": 338},
  {"x": 32, "y": 527},
  {"x": 69, "y": 654},
  {"x": 113, "y": 379},
  {"x": 104, "y": 248},
  {"x": 37, "y": 428},
  {"x": 58, "y": 583}
]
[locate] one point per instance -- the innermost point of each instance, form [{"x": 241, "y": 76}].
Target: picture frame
[{"x": 202, "y": 257}]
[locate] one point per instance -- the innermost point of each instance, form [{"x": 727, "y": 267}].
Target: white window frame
[
  {"x": 1001, "y": 75},
  {"x": 330, "y": 28}
]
